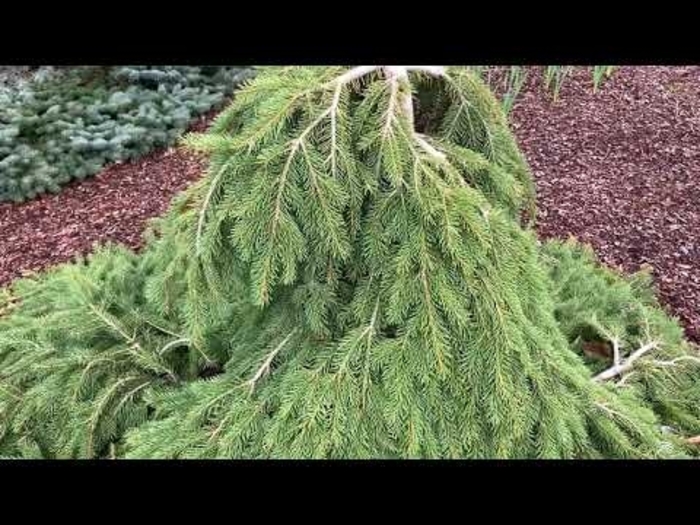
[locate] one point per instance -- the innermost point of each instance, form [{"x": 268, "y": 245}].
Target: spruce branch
[
  {"x": 428, "y": 298},
  {"x": 98, "y": 412},
  {"x": 436, "y": 71},
  {"x": 114, "y": 325},
  {"x": 614, "y": 339},
  {"x": 294, "y": 146},
  {"x": 428, "y": 148},
  {"x": 159, "y": 327},
  {"x": 173, "y": 344},
  {"x": 212, "y": 402},
  {"x": 5, "y": 387},
  {"x": 368, "y": 333},
  {"x": 205, "y": 206},
  {"x": 609, "y": 411},
  {"x": 334, "y": 128},
  {"x": 372, "y": 331},
  {"x": 298, "y": 142},
  {"x": 390, "y": 111},
  {"x": 152, "y": 362},
  {"x": 627, "y": 364},
  {"x": 220, "y": 426},
  {"x": 398, "y": 77},
  {"x": 265, "y": 367},
  {"x": 130, "y": 395},
  {"x": 623, "y": 381},
  {"x": 184, "y": 341},
  {"x": 90, "y": 366},
  {"x": 465, "y": 103},
  {"x": 352, "y": 75}
]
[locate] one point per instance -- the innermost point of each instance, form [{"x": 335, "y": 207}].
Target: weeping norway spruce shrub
[{"x": 350, "y": 280}]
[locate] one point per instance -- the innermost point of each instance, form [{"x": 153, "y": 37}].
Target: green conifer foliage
[
  {"x": 350, "y": 280},
  {"x": 400, "y": 310},
  {"x": 76, "y": 356},
  {"x": 596, "y": 306},
  {"x": 83, "y": 345}
]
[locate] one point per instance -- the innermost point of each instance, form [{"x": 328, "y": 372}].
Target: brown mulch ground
[
  {"x": 114, "y": 205},
  {"x": 620, "y": 170}
]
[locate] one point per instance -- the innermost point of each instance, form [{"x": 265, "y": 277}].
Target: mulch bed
[
  {"x": 113, "y": 206},
  {"x": 619, "y": 169}
]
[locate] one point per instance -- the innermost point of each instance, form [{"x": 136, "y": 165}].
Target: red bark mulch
[
  {"x": 114, "y": 205},
  {"x": 620, "y": 170}
]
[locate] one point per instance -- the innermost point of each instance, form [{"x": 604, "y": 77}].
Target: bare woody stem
[
  {"x": 265, "y": 367},
  {"x": 626, "y": 365},
  {"x": 399, "y": 75},
  {"x": 394, "y": 74}
]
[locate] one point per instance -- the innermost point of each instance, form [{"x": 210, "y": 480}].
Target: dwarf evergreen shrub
[
  {"x": 69, "y": 126},
  {"x": 349, "y": 280}
]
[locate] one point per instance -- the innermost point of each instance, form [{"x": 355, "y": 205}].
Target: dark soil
[{"x": 620, "y": 170}]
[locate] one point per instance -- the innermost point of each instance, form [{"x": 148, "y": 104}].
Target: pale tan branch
[
  {"x": 616, "y": 351},
  {"x": 393, "y": 92},
  {"x": 173, "y": 344},
  {"x": 353, "y": 74},
  {"x": 334, "y": 127},
  {"x": 265, "y": 367},
  {"x": 398, "y": 75},
  {"x": 428, "y": 148},
  {"x": 626, "y": 365}
]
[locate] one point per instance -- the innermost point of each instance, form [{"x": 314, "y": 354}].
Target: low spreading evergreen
[
  {"x": 350, "y": 280},
  {"x": 70, "y": 125},
  {"x": 617, "y": 326}
]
